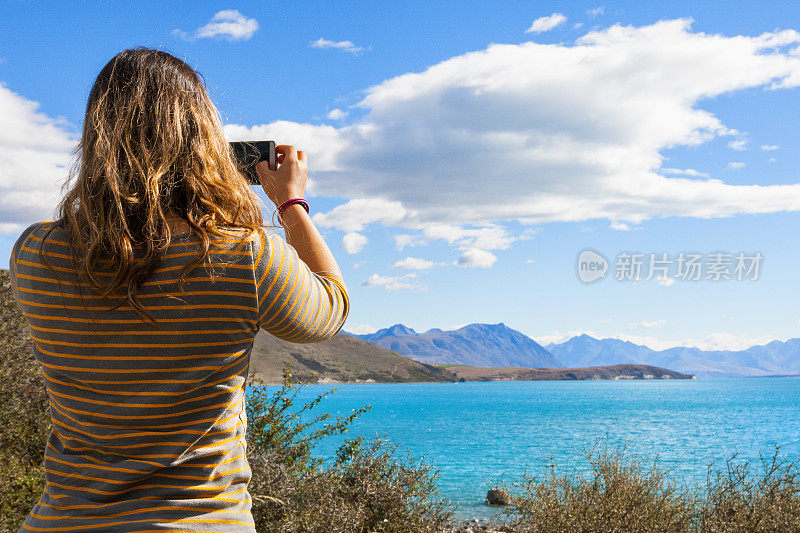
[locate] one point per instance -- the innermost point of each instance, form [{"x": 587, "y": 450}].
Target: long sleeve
[{"x": 294, "y": 303}]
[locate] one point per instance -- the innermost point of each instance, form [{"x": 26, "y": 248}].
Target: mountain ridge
[
  {"x": 477, "y": 344},
  {"x": 771, "y": 359}
]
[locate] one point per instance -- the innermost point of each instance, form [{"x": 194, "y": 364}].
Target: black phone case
[{"x": 248, "y": 154}]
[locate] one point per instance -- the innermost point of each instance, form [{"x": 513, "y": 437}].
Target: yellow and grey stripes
[{"x": 149, "y": 421}]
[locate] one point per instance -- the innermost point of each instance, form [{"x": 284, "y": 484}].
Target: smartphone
[{"x": 248, "y": 154}]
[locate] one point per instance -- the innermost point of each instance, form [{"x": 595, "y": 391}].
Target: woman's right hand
[{"x": 289, "y": 180}]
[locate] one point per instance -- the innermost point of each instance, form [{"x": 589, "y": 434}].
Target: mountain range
[
  {"x": 475, "y": 345},
  {"x": 497, "y": 345},
  {"x": 774, "y": 358}
]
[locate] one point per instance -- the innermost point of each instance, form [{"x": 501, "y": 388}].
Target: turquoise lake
[{"x": 476, "y": 432}]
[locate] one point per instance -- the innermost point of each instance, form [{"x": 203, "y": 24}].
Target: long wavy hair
[{"x": 152, "y": 149}]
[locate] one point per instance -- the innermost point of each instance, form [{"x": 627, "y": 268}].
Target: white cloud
[
  {"x": 647, "y": 325},
  {"x": 354, "y": 242},
  {"x": 336, "y": 114},
  {"x": 578, "y": 143},
  {"x": 736, "y": 165},
  {"x": 228, "y": 24},
  {"x": 619, "y": 226},
  {"x": 356, "y": 214},
  {"x": 738, "y": 144},
  {"x": 401, "y": 240},
  {"x": 769, "y": 147},
  {"x": 361, "y": 329},
  {"x": 596, "y": 11},
  {"x": 685, "y": 172},
  {"x": 35, "y": 152},
  {"x": 475, "y": 257},
  {"x": 346, "y": 46},
  {"x": 416, "y": 263},
  {"x": 488, "y": 237},
  {"x": 543, "y": 24},
  {"x": 393, "y": 283},
  {"x": 577, "y": 25}
]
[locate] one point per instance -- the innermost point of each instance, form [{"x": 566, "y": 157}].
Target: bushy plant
[
  {"x": 24, "y": 412},
  {"x": 619, "y": 493},
  {"x": 277, "y": 423},
  {"x": 369, "y": 487},
  {"x": 737, "y": 500}
]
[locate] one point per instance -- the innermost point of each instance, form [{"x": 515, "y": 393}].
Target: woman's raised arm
[{"x": 306, "y": 299}]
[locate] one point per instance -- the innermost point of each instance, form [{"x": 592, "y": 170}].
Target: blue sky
[{"x": 461, "y": 157}]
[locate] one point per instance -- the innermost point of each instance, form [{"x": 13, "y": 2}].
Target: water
[{"x": 476, "y": 432}]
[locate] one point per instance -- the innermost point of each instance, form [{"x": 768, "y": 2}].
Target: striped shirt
[{"x": 149, "y": 420}]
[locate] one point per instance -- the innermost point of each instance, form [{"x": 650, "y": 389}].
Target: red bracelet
[{"x": 287, "y": 203}]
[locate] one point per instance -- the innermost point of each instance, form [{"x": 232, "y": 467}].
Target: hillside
[
  {"x": 343, "y": 358},
  {"x": 472, "y": 373},
  {"x": 492, "y": 345}
]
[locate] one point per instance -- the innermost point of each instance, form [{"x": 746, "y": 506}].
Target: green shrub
[{"x": 276, "y": 423}]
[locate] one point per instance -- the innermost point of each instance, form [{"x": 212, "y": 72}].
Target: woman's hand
[{"x": 289, "y": 180}]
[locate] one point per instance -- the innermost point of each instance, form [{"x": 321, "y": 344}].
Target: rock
[{"x": 498, "y": 497}]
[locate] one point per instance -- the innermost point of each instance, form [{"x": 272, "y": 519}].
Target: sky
[{"x": 622, "y": 169}]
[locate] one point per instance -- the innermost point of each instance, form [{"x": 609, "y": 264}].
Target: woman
[{"x": 144, "y": 297}]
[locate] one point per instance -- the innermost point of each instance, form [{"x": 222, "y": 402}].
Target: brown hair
[{"x": 152, "y": 148}]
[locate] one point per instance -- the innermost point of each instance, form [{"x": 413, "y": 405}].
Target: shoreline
[
  {"x": 372, "y": 382},
  {"x": 457, "y": 373}
]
